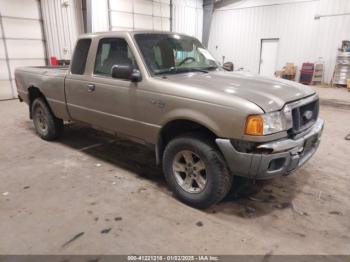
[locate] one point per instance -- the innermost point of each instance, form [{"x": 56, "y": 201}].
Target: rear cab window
[{"x": 80, "y": 56}]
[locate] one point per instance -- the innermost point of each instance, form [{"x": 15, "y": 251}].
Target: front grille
[{"x": 304, "y": 116}]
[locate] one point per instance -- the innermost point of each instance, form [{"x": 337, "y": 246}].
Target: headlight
[{"x": 269, "y": 123}]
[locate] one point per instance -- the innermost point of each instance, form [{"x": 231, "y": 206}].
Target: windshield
[{"x": 172, "y": 53}]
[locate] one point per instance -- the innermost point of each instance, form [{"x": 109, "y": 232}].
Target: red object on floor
[{"x": 53, "y": 61}]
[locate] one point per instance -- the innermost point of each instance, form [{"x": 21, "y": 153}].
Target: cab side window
[
  {"x": 110, "y": 52},
  {"x": 80, "y": 56}
]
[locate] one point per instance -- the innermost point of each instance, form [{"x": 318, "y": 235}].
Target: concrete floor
[{"x": 89, "y": 182}]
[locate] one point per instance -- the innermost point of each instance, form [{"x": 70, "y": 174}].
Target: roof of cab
[{"x": 112, "y": 33}]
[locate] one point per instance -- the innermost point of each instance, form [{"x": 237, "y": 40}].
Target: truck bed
[
  {"x": 43, "y": 70},
  {"x": 49, "y": 80}
]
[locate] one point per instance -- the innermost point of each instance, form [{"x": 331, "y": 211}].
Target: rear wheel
[
  {"x": 196, "y": 171},
  {"x": 47, "y": 126}
]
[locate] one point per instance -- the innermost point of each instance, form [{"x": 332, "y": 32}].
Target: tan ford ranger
[{"x": 166, "y": 90}]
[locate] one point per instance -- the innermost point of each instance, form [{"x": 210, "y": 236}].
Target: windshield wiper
[
  {"x": 186, "y": 69},
  {"x": 176, "y": 70},
  {"x": 211, "y": 67},
  {"x": 161, "y": 72}
]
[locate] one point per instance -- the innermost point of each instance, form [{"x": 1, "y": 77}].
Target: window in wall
[
  {"x": 80, "y": 56},
  {"x": 110, "y": 52}
]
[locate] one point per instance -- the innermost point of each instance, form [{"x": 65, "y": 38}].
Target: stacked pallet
[
  {"x": 342, "y": 69},
  {"x": 317, "y": 77}
]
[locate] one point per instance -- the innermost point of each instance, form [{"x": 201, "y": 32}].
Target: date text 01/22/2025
[{"x": 173, "y": 258}]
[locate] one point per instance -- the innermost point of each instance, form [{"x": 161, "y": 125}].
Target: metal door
[{"x": 268, "y": 57}]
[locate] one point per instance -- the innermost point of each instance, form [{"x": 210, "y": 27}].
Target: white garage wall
[
  {"x": 130, "y": 15},
  {"x": 99, "y": 15},
  {"x": 188, "y": 17},
  {"x": 24, "y": 26},
  {"x": 21, "y": 41},
  {"x": 331, "y": 30},
  {"x": 63, "y": 23},
  {"x": 237, "y": 31},
  {"x": 139, "y": 14}
]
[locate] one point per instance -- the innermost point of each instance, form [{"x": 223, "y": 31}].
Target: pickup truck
[{"x": 165, "y": 90}]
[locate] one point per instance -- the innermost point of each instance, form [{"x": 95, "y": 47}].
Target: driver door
[{"x": 97, "y": 98}]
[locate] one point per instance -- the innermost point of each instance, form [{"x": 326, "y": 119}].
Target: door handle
[{"x": 91, "y": 87}]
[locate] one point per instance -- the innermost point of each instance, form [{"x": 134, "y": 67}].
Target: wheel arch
[
  {"x": 179, "y": 126},
  {"x": 33, "y": 93}
]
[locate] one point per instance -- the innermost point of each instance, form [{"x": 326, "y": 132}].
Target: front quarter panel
[{"x": 160, "y": 102}]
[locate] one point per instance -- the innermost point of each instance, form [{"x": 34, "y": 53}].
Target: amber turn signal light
[{"x": 254, "y": 125}]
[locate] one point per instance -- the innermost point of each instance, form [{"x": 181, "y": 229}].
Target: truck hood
[{"x": 268, "y": 93}]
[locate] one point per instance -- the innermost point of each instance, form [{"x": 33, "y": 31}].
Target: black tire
[
  {"x": 242, "y": 188},
  {"x": 217, "y": 176},
  {"x": 47, "y": 126}
]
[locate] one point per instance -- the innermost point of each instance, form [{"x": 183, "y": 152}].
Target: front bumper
[{"x": 283, "y": 157}]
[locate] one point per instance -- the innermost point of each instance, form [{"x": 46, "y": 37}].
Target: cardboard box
[
  {"x": 279, "y": 73},
  {"x": 289, "y": 69}
]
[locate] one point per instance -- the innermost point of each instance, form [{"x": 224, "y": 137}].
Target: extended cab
[{"x": 166, "y": 90}]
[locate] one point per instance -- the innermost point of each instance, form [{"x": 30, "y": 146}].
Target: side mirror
[
  {"x": 135, "y": 76},
  {"x": 126, "y": 72},
  {"x": 228, "y": 66}
]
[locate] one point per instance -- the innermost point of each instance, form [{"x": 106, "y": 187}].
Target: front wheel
[
  {"x": 196, "y": 171},
  {"x": 47, "y": 126}
]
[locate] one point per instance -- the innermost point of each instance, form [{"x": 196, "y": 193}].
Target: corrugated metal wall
[
  {"x": 237, "y": 31},
  {"x": 63, "y": 23},
  {"x": 332, "y": 27},
  {"x": 188, "y": 17}
]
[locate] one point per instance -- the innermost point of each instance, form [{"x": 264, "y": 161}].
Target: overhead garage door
[
  {"x": 21, "y": 43},
  {"x": 139, "y": 14}
]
